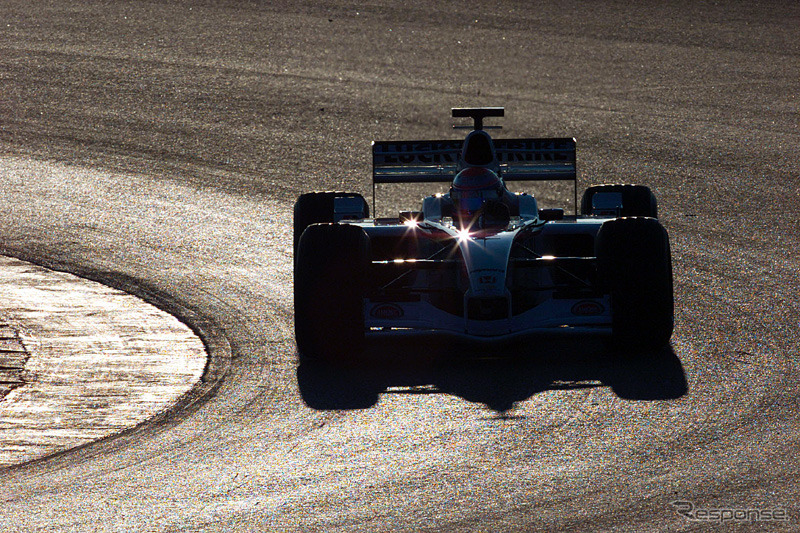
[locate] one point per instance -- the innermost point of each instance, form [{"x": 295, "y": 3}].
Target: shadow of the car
[{"x": 497, "y": 378}]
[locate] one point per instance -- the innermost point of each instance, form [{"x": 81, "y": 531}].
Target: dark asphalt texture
[{"x": 180, "y": 134}]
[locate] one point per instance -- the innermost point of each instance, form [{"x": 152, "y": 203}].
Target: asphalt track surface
[{"x": 178, "y": 135}]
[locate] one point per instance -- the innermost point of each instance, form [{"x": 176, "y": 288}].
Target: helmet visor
[
  {"x": 470, "y": 204},
  {"x": 471, "y": 201}
]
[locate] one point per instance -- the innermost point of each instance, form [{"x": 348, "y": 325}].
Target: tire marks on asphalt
[{"x": 13, "y": 357}]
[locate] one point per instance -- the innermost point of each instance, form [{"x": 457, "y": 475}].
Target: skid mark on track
[{"x": 13, "y": 356}]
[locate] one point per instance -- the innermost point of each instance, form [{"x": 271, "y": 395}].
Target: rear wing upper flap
[{"x": 438, "y": 161}]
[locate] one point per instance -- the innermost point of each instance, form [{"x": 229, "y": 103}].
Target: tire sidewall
[
  {"x": 634, "y": 265},
  {"x": 331, "y": 272}
]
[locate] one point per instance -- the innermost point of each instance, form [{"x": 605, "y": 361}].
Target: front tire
[
  {"x": 634, "y": 263},
  {"x": 330, "y": 279}
]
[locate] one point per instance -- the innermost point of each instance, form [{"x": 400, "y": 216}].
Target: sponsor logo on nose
[
  {"x": 386, "y": 311},
  {"x": 587, "y": 308}
]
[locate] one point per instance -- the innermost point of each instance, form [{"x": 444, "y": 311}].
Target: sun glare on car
[{"x": 462, "y": 234}]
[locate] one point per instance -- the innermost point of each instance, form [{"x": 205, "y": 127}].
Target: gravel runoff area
[{"x": 80, "y": 361}]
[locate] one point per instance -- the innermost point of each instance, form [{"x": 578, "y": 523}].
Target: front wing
[{"x": 553, "y": 316}]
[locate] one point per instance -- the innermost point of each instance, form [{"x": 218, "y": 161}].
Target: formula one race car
[{"x": 480, "y": 262}]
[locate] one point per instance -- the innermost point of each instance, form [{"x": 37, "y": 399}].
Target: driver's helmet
[{"x": 472, "y": 187}]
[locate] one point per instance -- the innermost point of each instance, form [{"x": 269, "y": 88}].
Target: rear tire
[
  {"x": 330, "y": 278},
  {"x": 634, "y": 263},
  {"x": 637, "y": 200}
]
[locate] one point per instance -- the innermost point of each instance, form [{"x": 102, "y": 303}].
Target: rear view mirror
[
  {"x": 551, "y": 214},
  {"x": 607, "y": 204}
]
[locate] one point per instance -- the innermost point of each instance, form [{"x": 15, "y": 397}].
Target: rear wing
[{"x": 438, "y": 161}]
